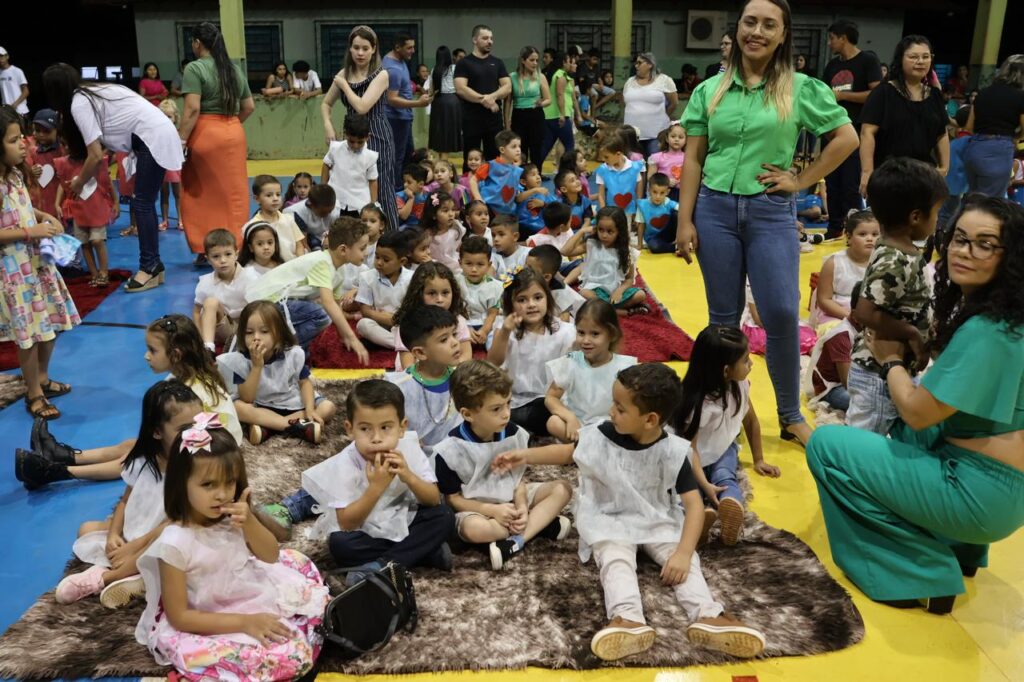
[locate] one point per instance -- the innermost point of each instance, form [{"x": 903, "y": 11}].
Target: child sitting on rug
[
  {"x": 581, "y": 381},
  {"x": 575, "y": 161},
  {"x": 481, "y": 292},
  {"x": 220, "y": 295},
  {"x": 298, "y": 189},
  {"x": 478, "y": 220},
  {"x": 432, "y": 284},
  {"x": 376, "y": 225},
  {"x": 382, "y": 289},
  {"x": 508, "y": 254},
  {"x": 260, "y": 252},
  {"x": 629, "y": 467},
  {"x": 444, "y": 181},
  {"x": 609, "y": 265},
  {"x": 308, "y": 288},
  {"x": 139, "y": 515},
  {"x": 546, "y": 260},
  {"x": 474, "y": 159},
  {"x": 500, "y": 510},
  {"x": 497, "y": 183},
  {"x": 223, "y": 601},
  {"x": 715, "y": 403},
  {"x": 380, "y": 493},
  {"x": 529, "y": 336},
  {"x": 266, "y": 189},
  {"x": 269, "y": 379},
  {"x": 446, "y": 231},
  {"x": 556, "y": 217},
  {"x": 418, "y": 243},
  {"x": 314, "y": 214},
  {"x": 412, "y": 200}
]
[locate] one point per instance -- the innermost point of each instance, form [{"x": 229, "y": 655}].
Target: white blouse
[
  {"x": 115, "y": 113},
  {"x": 645, "y": 105}
]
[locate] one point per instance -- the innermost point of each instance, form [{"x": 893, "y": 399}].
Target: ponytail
[{"x": 230, "y": 87}]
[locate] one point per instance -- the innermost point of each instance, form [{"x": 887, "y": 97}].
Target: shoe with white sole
[
  {"x": 622, "y": 638},
  {"x": 120, "y": 592},
  {"x": 78, "y": 586},
  {"x": 727, "y": 634}
]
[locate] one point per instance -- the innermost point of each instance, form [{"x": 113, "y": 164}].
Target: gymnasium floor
[{"x": 983, "y": 640}]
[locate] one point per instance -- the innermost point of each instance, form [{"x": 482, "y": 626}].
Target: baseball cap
[
  {"x": 47, "y": 118},
  {"x": 3, "y": 51}
]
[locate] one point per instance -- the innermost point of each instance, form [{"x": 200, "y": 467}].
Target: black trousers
[
  {"x": 430, "y": 528},
  {"x": 478, "y": 131},
  {"x": 533, "y": 416},
  {"x": 843, "y": 185},
  {"x": 528, "y": 124}
]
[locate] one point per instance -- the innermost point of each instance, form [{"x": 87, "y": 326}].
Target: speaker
[{"x": 704, "y": 28}]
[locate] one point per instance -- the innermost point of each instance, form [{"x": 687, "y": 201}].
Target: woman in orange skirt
[{"x": 214, "y": 179}]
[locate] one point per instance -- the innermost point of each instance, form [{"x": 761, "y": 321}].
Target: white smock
[
  {"x": 719, "y": 425},
  {"x": 587, "y": 389},
  {"x": 470, "y": 460}
]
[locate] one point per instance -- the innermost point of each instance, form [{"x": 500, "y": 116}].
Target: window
[
  {"x": 561, "y": 34},
  {"x": 262, "y": 50},
  {"x": 333, "y": 39},
  {"x": 808, "y": 40}
]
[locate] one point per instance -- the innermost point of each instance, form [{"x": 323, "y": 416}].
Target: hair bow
[
  {"x": 198, "y": 437},
  {"x": 511, "y": 275},
  {"x": 434, "y": 200}
]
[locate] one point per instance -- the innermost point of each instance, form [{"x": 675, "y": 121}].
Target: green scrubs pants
[{"x": 903, "y": 513}]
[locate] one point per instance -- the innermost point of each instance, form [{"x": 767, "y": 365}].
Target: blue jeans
[
  {"x": 307, "y": 318},
  {"x": 838, "y": 398},
  {"x": 149, "y": 178},
  {"x": 401, "y": 132},
  {"x": 723, "y": 473},
  {"x": 871, "y": 407},
  {"x": 988, "y": 161},
  {"x": 300, "y": 505},
  {"x": 552, "y": 132},
  {"x": 755, "y": 236}
]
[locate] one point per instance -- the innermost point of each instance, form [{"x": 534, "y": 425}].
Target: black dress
[{"x": 905, "y": 128}]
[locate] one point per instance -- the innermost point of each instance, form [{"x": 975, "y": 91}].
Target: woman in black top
[
  {"x": 997, "y": 114},
  {"x": 905, "y": 116}
]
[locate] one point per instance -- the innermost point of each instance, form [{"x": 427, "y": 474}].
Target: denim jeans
[
  {"x": 723, "y": 473},
  {"x": 552, "y": 132},
  {"x": 838, "y": 398},
  {"x": 871, "y": 408},
  {"x": 300, "y": 505},
  {"x": 149, "y": 178},
  {"x": 307, "y": 318},
  {"x": 755, "y": 236},
  {"x": 401, "y": 132},
  {"x": 843, "y": 185},
  {"x": 988, "y": 161}
]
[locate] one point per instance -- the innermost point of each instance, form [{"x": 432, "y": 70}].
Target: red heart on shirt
[
  {"x": 575, "y": 222},
  {"x": 623, "y": 200},
  {"x": 535, "y": 210},
  {"x": 677, "y": 172},
  {"x": 507, "y": 193},
  {"x": 659, "y": 222}
]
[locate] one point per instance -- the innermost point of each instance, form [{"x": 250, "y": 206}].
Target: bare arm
[
  {"x": 576, "y": 245},
  {"x": 374, "y": 191},
  {"x": 94, "y": 157},
  {"x": 826, "y": 303},
  {"x": 499, "y": 345},
  {"x": 867, "y": 154},
  {"x": 325, "y": 174},
  {"x": 917, "y": 407},
  {"x": 462, "y": 504},
  {"x": 942, "y": 151},
  {"x": 354, "y": 516},
  {"x": 374, "y": 92},
  {"x": 553, "y": 401},
  {"x": 671, "y": 102},
  {"x": 752, "y": 427},
  {"x": 474, "y": 187},
  {"x": 856, "y": 97},
  {"x": 842, "y": 142},
  {"x": 467, "y": 93},
  {"x": 337, "y": 316},
  {"x": 249, "y": 389},
  {"x": 189, "y": 116},
  {"x": 406, "y": 209},
  {"x": 545, "y": 91},
  {"x": 245, "y": 109},
  {"x": 379, "y": 316},
  {"x": 21, "y": 98},
  {"x": 330, "y": 97}
]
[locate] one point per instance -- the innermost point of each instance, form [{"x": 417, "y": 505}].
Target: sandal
[
  {"x": 100, "y": 281},
  {"x": 53, "y": 389},
  {"x": 641, "y": 309},
  {"x": 132, "y": 231},
  {"x": 47, "y": 411},
  {"x": 162, "y": 226}
]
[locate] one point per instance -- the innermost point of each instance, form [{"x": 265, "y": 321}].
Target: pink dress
[
  {"x": 670, "y": 163},
  {"x": 222, "y": 576},
  {"x": 153, "y": 90},
  {"x": 444, "y": 247}
]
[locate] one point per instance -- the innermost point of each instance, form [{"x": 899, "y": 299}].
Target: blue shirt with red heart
[
  {"x": 531, "y": 219},
  {"x": 582, "y": 211},
  {"x": 499, "y": 185},
  {"x": 657, "y": 219},
  {"x": 620, "y": 184}
]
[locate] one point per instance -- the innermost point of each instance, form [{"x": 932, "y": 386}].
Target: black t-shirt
[
  {"x": 853, "y": 75},
  {"x": 482, "y": 75},
  {"x": 905, "y": 128},
  {"x": 997, "y": 110}
]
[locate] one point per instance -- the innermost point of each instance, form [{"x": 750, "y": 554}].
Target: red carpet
[
  {"x": 651, "y": 338},
  {"x": 86, "y": 299}
]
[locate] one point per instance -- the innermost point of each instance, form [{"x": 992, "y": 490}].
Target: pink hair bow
[
  {"x": 198, "y": 437},
  {"x": 434, "y": 200}
]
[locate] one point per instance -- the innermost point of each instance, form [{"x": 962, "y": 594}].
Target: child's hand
[
  {"x": 60, "y": 212},
  {"x": 766, "y": 469},
  {"x": 512, "y": 322},
  {"x": 917, "y": 348},
  {"x": 505, "y": 514},
  {"x": 239, "y": 511},
  {"x": 43, "y": 230},
  {"x": 542, "y": 191},
  {"x": 312, "y": 416},
  {"x": 349, "y": 296},
  {"x": 711, "y": 492},
  {"x": 256, "y": 350},
  {"x": 378, "y": 473},
  {"x": 265, "y": 628},
  {"x": 676, "y": 569},
  {"x": 536, "y": 203},
  {"x": 477, "y": 336},
  {"x": 395, "y": 463},
  {"x": 37, "y": 170},
  {"x": 572, "y": 429},
  {"x": 114, "y": 540},
  {"x": 122, "y": 554},
  {"x": 357, "y": 347},
  {"x": 507, "y": 461},
  {"x": 616, "y": 296}
]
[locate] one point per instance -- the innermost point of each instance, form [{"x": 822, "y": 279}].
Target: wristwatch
[{"x": 889, "y": 365}]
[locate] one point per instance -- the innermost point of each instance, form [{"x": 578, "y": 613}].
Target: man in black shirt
[
  {"x": 482, "y": 81},
  {"x": 852, "y": 74}
]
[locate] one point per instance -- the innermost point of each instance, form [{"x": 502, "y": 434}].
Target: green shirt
[
  {"x": 981, "y": 374},
  {"x": 200, "y": 78},
  {"x": 745, "y": 131},
  {"x": 525, "y": 92},
  {"x": 300, "y": 278},
  {"x": 551, "y": 110}
]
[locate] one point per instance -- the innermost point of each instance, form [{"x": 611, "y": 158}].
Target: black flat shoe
[
  {"x": 968, "y": 571},
  {"x": 940, "y": 606}
]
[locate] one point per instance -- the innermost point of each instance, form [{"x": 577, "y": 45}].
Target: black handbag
[{"x": 366, "y": 616}]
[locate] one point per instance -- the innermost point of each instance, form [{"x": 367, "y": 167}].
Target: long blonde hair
[
  {"x": 778, "y": 76},
  {"x": 368, "y": 34}
]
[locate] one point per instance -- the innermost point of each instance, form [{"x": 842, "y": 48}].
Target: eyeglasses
[
  {"x": 919, "y": 57},
  {"x": 980, "y": 249}
]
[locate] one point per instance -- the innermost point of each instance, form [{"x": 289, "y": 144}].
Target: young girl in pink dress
[
  {"x": 670, "y": 159},
  {"x": 216, "y": 569}
]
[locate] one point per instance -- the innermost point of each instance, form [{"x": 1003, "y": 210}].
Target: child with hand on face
[
  {"x": 637, "y": 491},
  {"x": 532, "y": 201},
  {"x": 350, "y": 168},
  {"x": 290, "y": 240},
  {"x": 509, "y": 255},
  {"x": 220, "y": 295},
  {"x": 481, "y": 292},
  {"x": 412, "y": 200},
  {"x": 380, "y": 493},
  {"x": 500, "y": 510},
  {"x": 497, "y": 183}
]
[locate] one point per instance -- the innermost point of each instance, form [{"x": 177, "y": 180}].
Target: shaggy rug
[
  {"x": 541, "y": 611},
  {"x": 86, "y": 299},
  {"x": 12, "y": 388},
  {"x": 653, "y": 337}
]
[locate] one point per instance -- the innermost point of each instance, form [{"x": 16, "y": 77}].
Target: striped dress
[{"x": 381, "y": 141}]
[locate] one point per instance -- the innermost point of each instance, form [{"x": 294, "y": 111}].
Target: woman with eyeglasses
[
  {"x": 905, "y": 116},
  {"x": 651, "y": 99},
  {"x": 910, "y": 515}
]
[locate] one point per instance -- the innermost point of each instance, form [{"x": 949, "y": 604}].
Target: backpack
[{"x": 365, "y": 616}]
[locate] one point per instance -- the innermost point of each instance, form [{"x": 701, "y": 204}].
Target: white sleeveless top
[
  {"x": 470, "y": 460},
  {"x": 719, "y": 426},
  {"x": 845, "y": 275}
]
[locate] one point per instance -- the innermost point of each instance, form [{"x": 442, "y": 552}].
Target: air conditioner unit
[{"x": 704, "y": 28}]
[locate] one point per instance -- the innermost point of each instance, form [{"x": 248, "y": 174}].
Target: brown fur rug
[
  {"x": 12, "y": 388},
  {"x": 541, "y": 611}
]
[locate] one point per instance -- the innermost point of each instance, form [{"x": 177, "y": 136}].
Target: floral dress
[
  {"x": 223, "y": 576},
  {"x": 34, "y": 302}
]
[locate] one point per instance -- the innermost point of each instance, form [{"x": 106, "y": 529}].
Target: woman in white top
[
  {"x": 446, "y": 110},
  {"x": 98, "y": 115},
  {"x": 650, "y": 98}
]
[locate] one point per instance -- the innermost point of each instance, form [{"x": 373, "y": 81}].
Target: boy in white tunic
[
  {"x": 630, "y": 469},
  {"x": 500, "y": 510}
]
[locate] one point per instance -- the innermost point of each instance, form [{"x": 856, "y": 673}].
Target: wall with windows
[{"x": 318, "y": 36}]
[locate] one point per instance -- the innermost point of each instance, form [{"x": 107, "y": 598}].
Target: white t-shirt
[
  {"x": 566, "y": 299},
  {"x": 526, "y": 357},
  {"x": 719, "y": 427},
  {"x": 645, "y": 105},
  {"x": 287, "y": 230},
  {"x": 351, "y": 174},
  {"x": 230, "y": 294},
  {"x": 311, "y": 83},
  {"x": 11, "y": 80},
  {"x": 588, "y": 389},
  {"x": 279, "y": 379},
  {"x": 545, "y": 237},
  {"x": 315, "y": 225},
  {"x": 116, "y": 113},
  {"x": 504, "y": 265},
  {"x": 380, "y": 293}
]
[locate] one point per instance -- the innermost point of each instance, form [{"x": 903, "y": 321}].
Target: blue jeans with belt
[
  {"x": 988, "y": 161},
  {"x": 755, "y": 236},
  {"x": 149, "y": 178}
]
